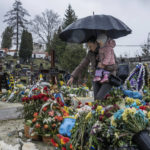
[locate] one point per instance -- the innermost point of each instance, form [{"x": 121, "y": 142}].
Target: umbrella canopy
[{"x": 83, "y": 29}]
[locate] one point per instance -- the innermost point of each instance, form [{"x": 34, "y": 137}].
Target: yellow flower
[
  {"x": 41, "y": 76},
  {"x": 76, "y": 116},
  {"x": 113, "y": 123},
  {"x": 61, "y": 83},
  {"x": 116, "y": 135},
  {"x": 148, "y": 115},
  {"x": 102, "y": 112},
  {"x": 66, "y": 109},
  {"x": 88, "y": 116},
  {"x": 9, "y": 92},
  {"x": 128, "y": 111},
  {"x": 89, "y": 103},
  {"x": 19, "y": 85},
  {"x": 99, "y": 108},
  {"x": 129, "y": 100},
  {"x": 137, "y": 101},
  {"x": 124, "y": 116}
]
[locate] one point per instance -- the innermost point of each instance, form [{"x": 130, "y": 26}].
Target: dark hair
[{"x": 92, "y": 39}]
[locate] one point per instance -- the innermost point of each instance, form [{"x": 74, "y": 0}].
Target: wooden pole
[
  {"x": 53, "y": 64},
  {"x": 1, "y": 74}
]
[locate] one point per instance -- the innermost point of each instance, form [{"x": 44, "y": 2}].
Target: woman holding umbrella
[
  {"x": 100, "y": 88},
  {"x": 86, "y": 30}
]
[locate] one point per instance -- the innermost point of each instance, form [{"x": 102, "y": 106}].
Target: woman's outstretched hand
[{"x": 70, "y": 81}]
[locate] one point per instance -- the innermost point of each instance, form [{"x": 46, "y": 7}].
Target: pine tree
[
  {"x": 70, "y": 16},
  {"x": 7, "y": 38},
  {"x": 26, "y": 46},
  {"x": 16, "y": 19}
]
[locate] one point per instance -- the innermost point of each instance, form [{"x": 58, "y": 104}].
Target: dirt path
[{"x": 11, "y": 130}]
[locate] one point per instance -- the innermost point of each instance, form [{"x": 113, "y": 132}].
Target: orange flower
[
  {"x": 59, "y": 136},
  {"x": 54, "y": 143},
  {"x": 45, "y": 126},
  {"x": 64, "y": 140},
  {"x": 66, "y": 114},
  {"x": 34, "y": 119},
  {"x": 53, "y": 125},
  {"x": 37, "y": 125},
  {"x": 59, "y": 118},
  {"x": 71, "y": 146},
  {"x": 35, "y": 114}
]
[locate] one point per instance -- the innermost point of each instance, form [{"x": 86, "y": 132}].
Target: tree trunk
[{"x": 17, "y": 38}]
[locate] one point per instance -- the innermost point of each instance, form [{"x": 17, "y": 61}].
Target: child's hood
[{"x": 110, "y": 43}]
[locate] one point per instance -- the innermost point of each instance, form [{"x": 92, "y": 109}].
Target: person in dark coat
[{"x": 100, "y": 89}]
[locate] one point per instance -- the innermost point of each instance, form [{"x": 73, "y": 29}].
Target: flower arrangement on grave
[{"x": 61, "y": 142}]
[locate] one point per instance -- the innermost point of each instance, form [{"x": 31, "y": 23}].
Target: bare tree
[
  {"x": 45, "y": 25},
  {"x": 15, "y": 18}
]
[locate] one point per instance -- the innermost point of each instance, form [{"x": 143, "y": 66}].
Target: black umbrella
[{"x": 83, "y": 29}]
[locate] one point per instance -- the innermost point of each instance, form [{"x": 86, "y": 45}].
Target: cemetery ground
[
  {"x": 12, "y": 127},
  {"x": 36, "y": 61}
]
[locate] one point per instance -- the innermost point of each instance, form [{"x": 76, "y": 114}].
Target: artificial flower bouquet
[{"x": 133, "y": 121}]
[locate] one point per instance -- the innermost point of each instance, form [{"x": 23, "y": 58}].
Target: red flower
[
  {"x": 45, "y": 99},
  {"x": 143, "y": 107},
  {"x": 66, "y": 140},
  {"x": 45, "y": 88},
  {"x": 107, "y": 96},
  {"x": 59, "y": 136},
  {"x": 61, "y": 103},
  {"x": 101, "y": 117},
  {"x": 25, "y": 99},
  {"x": 53, "y": 98},
  {"x": 79, "y": 103},
  {"x": 40, "y": 96},
  {"x": 86, "y": 103},
  {"x": 58, "y": 98},
  {"x": 44, "y": 109},
  {"x": 63, "y": 148},
  {"x": 54, "y": 143},
  {"x": 35, "y": 114},
  {"x": 35, "y": 89},
  {"x": 58, "y": 118},
  {"x": 35, "y": 97}
]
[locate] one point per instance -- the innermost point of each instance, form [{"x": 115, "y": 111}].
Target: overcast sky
[{"x": 135, "y": 13}]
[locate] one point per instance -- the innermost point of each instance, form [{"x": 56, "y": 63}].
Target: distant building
[
  {"x": 39, "y": 54},
  {"x": 38, "y": 47},
  {"x": 5, "y": 51}
]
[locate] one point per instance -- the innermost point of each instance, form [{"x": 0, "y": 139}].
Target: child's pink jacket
[{"x": 106, "y": 54}]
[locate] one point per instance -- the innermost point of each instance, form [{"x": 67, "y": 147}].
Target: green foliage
[
  {"x": 58, "y": 45},
  {"x": 26, "y": 46},
  {"x": 7, "y": 38},
  {"x": 15, "y": 18},
  {"x": 70, "y": 17},
  {"x": 72, "y": 56}
]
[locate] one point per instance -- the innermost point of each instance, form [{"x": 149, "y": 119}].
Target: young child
[{"x": 106, "y": 58}]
